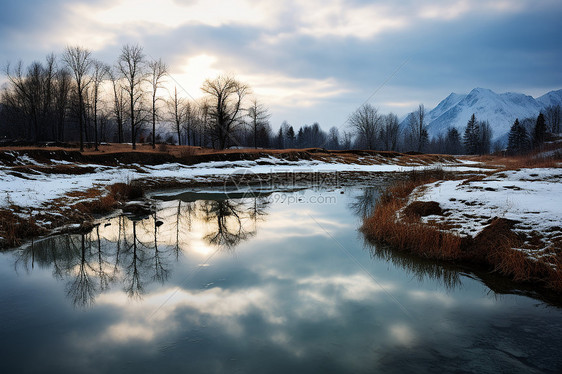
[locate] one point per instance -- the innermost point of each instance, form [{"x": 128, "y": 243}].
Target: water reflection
[
  {"x": 421, "y": 269},
  {"x": 364, "y": 202},
  {"x": 228, "y": 226},
  {"x": 290, "y": 300},
  {"x": 135, "y": 253}
]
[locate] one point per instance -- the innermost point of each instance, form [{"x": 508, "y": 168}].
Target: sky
[{"x": 311, "y": 61}]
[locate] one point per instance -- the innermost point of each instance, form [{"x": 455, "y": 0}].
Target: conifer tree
[
  {"x": 539, "y": 133},
  {"x": 517, "y": 142},
  {"x": 470, "y": 138}
]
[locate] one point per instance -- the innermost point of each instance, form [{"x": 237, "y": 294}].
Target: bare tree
[
  {"x": 158, "y": 70},
  {"x": 333, "y": 138},
  {"x": 367, "y": 123},
  {"x": 79, "y": 62},
  {"x": 23, "y": 98},
  {"x": 203, "y": 122},
  {"x": 418, "y": 129},
  {"x": 390, "y": 132},
  {"x": 30, "y": 99},
  {"x": 226, "y": 95},
  {"x": 553, "y": 116},
  {"x": 48, "y": 88},
  {"x": 63, "y": 82},
  {"x": 99, "y": 74},
  {"x": 258, "y": 115},
  {"x": 131, "y": 64},
  {"x": 118, "y": 102},
  {"x": 190, "y": 121},
  {"x": 176, "y": 106}
]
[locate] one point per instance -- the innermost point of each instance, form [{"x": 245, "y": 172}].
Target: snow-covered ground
[
  {"x": 37, "y": 190},
  {"x": 532, "y": 197}
]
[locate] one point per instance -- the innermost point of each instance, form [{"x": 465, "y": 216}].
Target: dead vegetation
[
  {"x": 533, "y": 160},
  {"x": 17, "y": 226},
  {"x": 113, "y": 154},
  {"x": 14, "y": 228},
  {"x": 497, "y": 246}
]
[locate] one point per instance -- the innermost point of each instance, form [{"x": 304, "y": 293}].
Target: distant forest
[{"x": 75, "y": 98}]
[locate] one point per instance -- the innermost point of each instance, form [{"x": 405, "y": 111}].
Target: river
[{"x": 282, "y": 282}]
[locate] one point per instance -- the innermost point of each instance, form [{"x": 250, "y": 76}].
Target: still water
[{"x": 278, "y": 283}]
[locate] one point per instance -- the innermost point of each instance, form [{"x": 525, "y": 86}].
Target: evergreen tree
[
  {"x": 484, "y": 137},
  {"x": 453, "y": 145},
  {"x": 517, "y": 142},
  {"x": 539, "y": 133},
  {"x": 290, "y": 137},
  {"x": 280, "y": 141},
  {"x": 300, "y": 138},
  {"x": 471, "y": 134}
]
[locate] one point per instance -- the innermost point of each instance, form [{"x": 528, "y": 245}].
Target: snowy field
[
  {"x": 532, "y": 197},
  {"x": 36, "y": 190}
]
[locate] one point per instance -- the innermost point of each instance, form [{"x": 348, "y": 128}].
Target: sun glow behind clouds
[
  {"x": 190, "y": 75},
  {"x": 201, "y": 39}
]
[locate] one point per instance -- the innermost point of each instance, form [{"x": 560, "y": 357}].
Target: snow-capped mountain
[
  {"x": 551, "y": 98},
  {"x": 500, "y": 110}
]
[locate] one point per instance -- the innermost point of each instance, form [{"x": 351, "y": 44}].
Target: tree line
[
  {"x": 77, "y": 98},
  {"x": 373, "y": 130},
  {"x": 531, "y": 133}
]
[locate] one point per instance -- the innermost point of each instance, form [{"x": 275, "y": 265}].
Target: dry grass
[
  {"x": 14, "y": 229},
  {"x": 183, "y": 152},
  {"x": 126, "y": 191},
  {"x": 493, "y": 247},
  {"x": 93, "y": 202},
  {"x": 411, "y": 236},
  {"x": 532, "y": 160}
]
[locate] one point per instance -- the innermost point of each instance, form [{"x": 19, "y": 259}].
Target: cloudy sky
[{"x": 311, "y": 61}]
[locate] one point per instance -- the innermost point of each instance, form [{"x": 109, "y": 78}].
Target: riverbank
[
  {"x": 45, "y": 190},
  {"x": 507, "y": 220}
]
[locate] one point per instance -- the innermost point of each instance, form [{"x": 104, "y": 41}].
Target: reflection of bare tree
[
  {"x": 160, "y": 267},
  {"x": 131, "y": 253},
  {"x": 83, "y": 289},
  {"x": 227, "y": 224},
  {"x": 258, "y": 208},
  {"x": 363, "y": 205},
  {"x": 133, "y": 282},
  {"x": 105, "y": 276}
]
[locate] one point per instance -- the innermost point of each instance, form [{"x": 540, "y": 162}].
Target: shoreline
[
  {"x": 520, "y": 239},
  {"x": 44, "y": 191}
]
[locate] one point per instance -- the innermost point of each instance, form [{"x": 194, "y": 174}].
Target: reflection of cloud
[
  {"x": 350, "y": 287},
  {"x": 299, "y": 223},
  {"x": 402, "y": 334},
  {"x": 162, "y": 312},
  {"x": 311, "y": 298},
  {"x": 433, "y": 297},
  {"x": 125, "y": 332}
]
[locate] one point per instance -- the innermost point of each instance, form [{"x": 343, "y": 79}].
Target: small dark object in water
[{"x": 159, "y": 223}]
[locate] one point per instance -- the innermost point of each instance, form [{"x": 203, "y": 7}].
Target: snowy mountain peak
[
  {"x": 500, "y": 110},
  {"x": 551, "y": 98}
]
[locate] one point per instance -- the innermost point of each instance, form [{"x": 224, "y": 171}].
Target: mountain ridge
[{"x": 500, "y": 110}]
